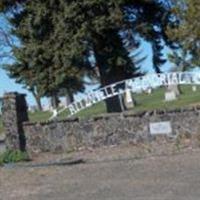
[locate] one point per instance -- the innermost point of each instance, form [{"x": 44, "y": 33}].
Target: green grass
[
  {"x": 95, "y": 109},
  {"x": 151, "y": 101},
  {"x": 39, "y": 116},
  {"x": 13, "y": 157},
  {"x": 156, "y": 99},
  {"x": 147, "y": 102},
  {"x": 144, "y": 102}
]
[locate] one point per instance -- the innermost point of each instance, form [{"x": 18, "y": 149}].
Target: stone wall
[
  {"x": 104, "y": 130},
  {"x": 109, "y": 129}
]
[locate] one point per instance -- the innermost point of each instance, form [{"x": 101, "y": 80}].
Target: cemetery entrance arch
[{"x": 134, "y": 85}]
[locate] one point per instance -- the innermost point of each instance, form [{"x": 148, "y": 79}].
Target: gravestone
[
  {"x": 149, "y": 91},
  {"x": 170, "y": 96},
  {"x": 175, "y": 89},
  {"x": 194, "y": 88},
  {"x": 171, "y": 93},
  {"x": 128, "y": 100},
  {"x": 14, "y": 113}
]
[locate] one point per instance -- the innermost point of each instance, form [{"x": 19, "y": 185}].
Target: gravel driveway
[{"x": 175, "y": 177}]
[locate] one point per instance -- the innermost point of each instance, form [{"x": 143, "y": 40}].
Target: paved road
[{"x": 155, "y": 178}]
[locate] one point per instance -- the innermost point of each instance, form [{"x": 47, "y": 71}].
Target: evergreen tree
[
  {"x": 96, "y": 25},
  {"x": 39, "y": 64},
  {"x": 186, "y": 34},
  {"x": 7, "y": 5},
  {"x": 58, "y": 36}
]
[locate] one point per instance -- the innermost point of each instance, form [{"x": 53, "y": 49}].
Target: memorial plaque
[{"x": 160, "y": 128}]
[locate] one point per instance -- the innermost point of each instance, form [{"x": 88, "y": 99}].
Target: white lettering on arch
[{"x": 134, "y": 85}]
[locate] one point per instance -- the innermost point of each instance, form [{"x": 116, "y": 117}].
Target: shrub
[{"x": 13, "y": 157}]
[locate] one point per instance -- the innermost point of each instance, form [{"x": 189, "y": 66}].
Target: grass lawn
[
  {"x": 39, "y": 116},
  {"x": 144, "y": 102},
  {"x": 147, "y": 102},
  {"x": 156, "y": 100}
]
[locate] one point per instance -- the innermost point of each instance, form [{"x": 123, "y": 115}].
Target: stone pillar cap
[{"x": 12, "y": 94}]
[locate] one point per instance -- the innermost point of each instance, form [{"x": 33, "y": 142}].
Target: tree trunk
[
  {"x": 114, "y": 65},
  {"x": 114, "y": 104},
  {"x": 54, "y": 101},
  {"x": 69, "y": 98},
  {"x": 37, "y": 100},
  {"x": 39, "y": 104}
]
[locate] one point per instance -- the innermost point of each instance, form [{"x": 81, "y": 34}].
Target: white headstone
[
  {"x": 173, "y": 88},
  {"x": 170, "y": 96},
  {"x": 128, "y": 99},
  {"x": 149, "y": 91},
  {"x": 160, "y": 128},
  {"x": 128, "y": 96},
  {"x": 194, "y": 88},
  {"x": 55, "y": 112}
]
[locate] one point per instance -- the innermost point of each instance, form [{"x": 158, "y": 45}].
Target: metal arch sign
[{"x": 134, "y": 85}]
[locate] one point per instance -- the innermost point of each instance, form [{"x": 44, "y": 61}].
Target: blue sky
[{"x": 9, "y": 85}]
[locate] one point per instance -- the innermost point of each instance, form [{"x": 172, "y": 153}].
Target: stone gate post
[{"x": 14, "y": 113}]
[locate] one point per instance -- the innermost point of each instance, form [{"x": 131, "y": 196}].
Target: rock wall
[
  {"x": 104, "y": 130},
  {"x": 109, "y": 129}
]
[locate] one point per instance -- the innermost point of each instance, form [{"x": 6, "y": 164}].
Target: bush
[{"x": 13, "y": 157}]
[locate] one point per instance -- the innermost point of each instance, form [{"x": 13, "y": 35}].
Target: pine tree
[
  {"x": 58, "y": 35},
  {"x": 186, "y": 34},
  {"x": 96, "y": 25},
  {"x": 39, "y": 64}
]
